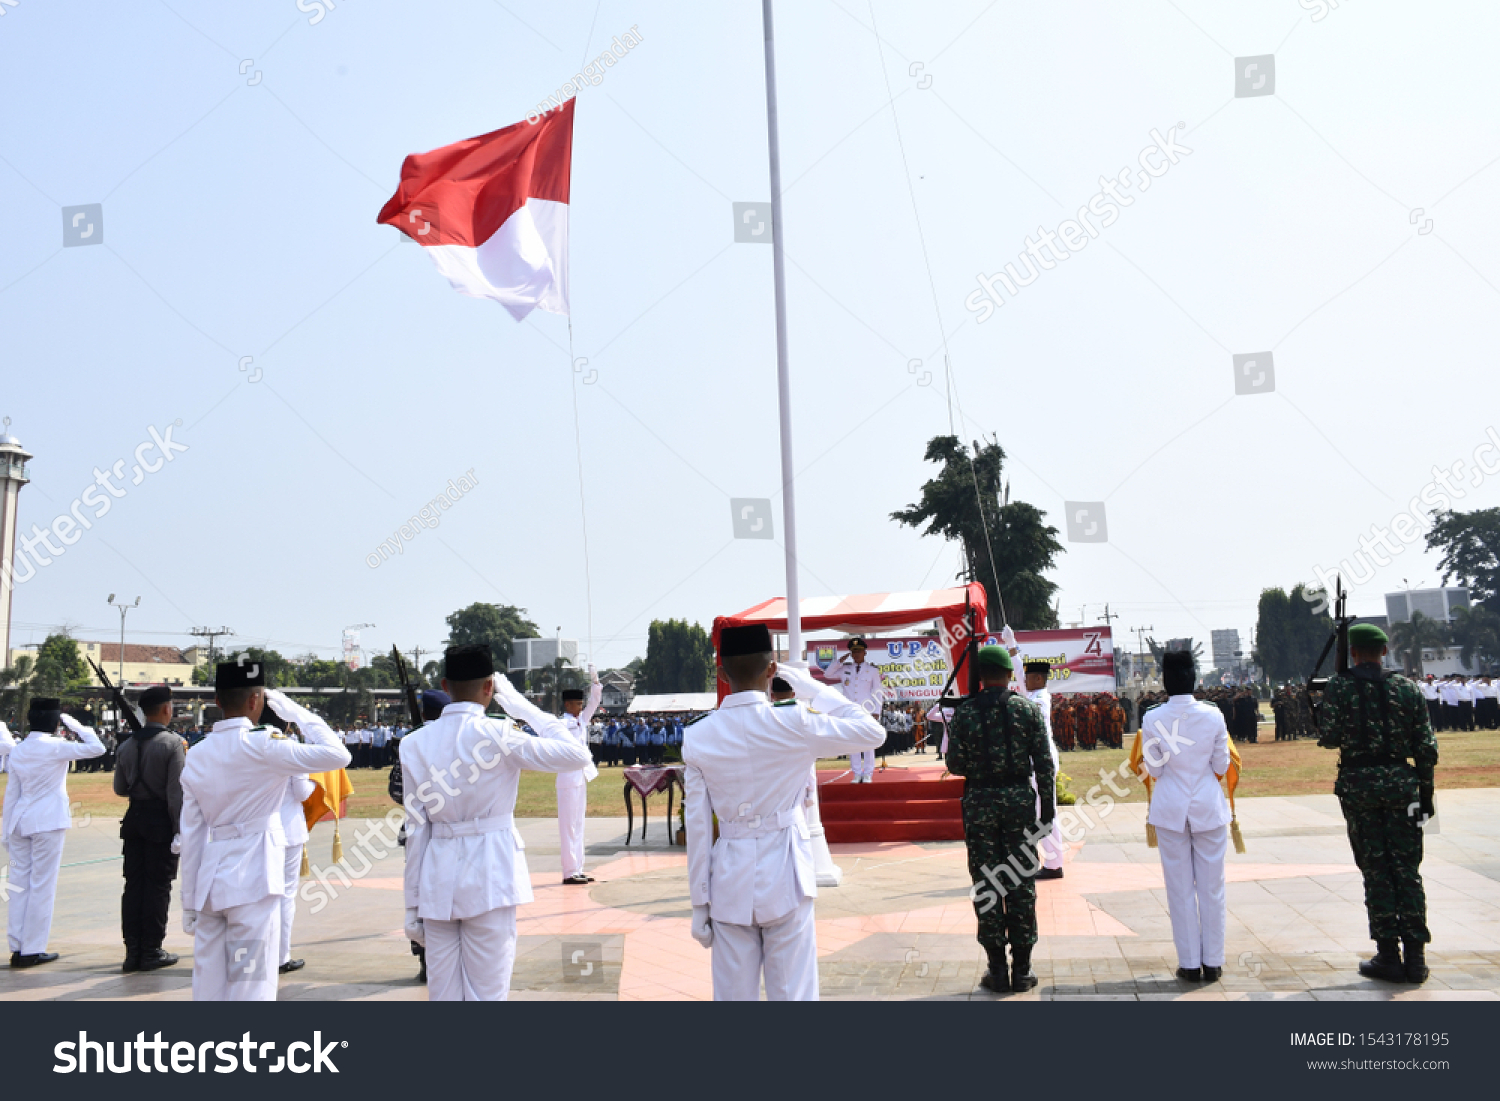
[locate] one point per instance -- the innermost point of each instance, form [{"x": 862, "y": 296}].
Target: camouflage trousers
[
  {"x": 1387, "y": 844},
  {"x": 1002, "y": 864}
]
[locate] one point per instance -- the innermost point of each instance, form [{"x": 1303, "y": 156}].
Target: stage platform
[{"x": 914, "y": 803}]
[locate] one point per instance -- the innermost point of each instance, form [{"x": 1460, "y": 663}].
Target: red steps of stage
[{"x": 902, "y": 804}]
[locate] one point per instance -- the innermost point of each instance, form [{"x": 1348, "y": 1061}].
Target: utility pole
[
  {"x": 1109, "y": 617},
  {"x": 1139, "y": 645},
  {"x": 124, "y": 608},
  {"x": 416, "y": 659},
  {"x": 210, "y": 634}
]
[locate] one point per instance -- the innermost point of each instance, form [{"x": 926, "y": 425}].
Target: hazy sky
[{"x": 241, "y": 152}]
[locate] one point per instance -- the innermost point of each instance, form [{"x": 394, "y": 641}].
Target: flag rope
[
  {"x": 950, "y": 383},
  {"x": 583, "y": 514}
]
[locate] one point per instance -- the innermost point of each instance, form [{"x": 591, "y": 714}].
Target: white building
[{"x": 13, "y": 459}]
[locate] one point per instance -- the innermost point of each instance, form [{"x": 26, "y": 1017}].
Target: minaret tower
[{"x": 13, "y": 458}]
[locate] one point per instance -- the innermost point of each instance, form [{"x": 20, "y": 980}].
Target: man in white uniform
[
  {"x": 234, "y": 788},
  {"x": 294, "y": 822},
  {"x": 465, "y": 862},
  {"x": 861, "y": 683},
  {"x": 573, "y": 787},
  {"x": 1052, "y": 849},
  {"x": 1185, "y": 745},
  {"x": 36, "y": 817},
  {"x": 748, "y": 763}
]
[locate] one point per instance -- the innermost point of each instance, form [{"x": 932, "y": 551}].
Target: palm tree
[
  {"x": 1416, "y": 634},
  {"x": 16, "y": 678},
  {"x": 1476, "y": 631}
]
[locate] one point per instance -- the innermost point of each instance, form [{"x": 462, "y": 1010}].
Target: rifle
[
  {"x": 119, "y": 697},
  {"x": 1338, "y": 641},
  {"x": 413, "y": 708}
]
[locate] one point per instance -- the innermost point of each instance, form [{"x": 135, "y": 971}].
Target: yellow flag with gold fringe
[
  {"x": 331, "y": 791},
  {"x": 1231, "y": 778}
]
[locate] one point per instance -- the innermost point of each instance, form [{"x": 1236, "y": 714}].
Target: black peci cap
[
  {"x": 754, "y": 638},
  {"x": 472, "y": 661}
]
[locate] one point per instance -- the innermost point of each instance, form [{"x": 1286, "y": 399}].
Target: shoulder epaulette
[
  {"x": 783, "y": 703},
  {"x": 700, "y": 718}
]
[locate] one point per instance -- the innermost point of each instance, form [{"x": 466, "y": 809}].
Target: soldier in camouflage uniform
[
  {"x": 997, "y": 742},
  {"x": 1377, "y": 721}
]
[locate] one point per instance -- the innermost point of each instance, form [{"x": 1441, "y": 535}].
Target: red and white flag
[{"x": 492, "y": 212}]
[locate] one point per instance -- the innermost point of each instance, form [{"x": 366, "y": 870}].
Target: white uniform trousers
[
  {"x": 34, "y": 862},
  {"x": 471, "y": 960},
  {"x": 572, "y": 803},
  {"x": 289, "y": 901},
  {"x": 1192, "y": 867},
  {"x": 786, "y": 952},
  {"x": 1053, "y": 847},
  {"x": 234, "y": 952},
  {"x": 862, "y": 762}
]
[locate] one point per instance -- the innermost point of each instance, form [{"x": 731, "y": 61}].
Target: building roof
[{"x": 138, "y": 652}]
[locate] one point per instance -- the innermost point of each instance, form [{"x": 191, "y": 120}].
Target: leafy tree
[
  {"x": 494, "y": 625},
  {"x": 1470, "y": 542},
  {"x": 679, "y": 658},
  {"x": 15, "y": 684},
  {"x": 59, "y": 667},
  {"x": 1289, "y": 633},
  {"x": 1410, "y": 637},
  {"x": 963, "y": 503}
]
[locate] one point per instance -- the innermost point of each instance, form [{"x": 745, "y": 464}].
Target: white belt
[
  {"x": 472, "y": 827},
  {"x": 234, "y": 830},
  {"x": 737, "y": 829}
]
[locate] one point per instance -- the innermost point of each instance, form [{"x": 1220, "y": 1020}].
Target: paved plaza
[{"x": 900, "y": 926}]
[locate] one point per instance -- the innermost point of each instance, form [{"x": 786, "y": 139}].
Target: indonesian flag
[{"x": 492, "y": 212}]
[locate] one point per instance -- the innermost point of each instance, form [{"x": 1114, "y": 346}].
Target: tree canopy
[
  {"x": 1289, "y": 634},
  {"x": 59, "y": 667},
  {"x": 962, "y": 503},
  {"x": 1470, "y": 542},
  {"x": 679, "y": 658},
  {"x": 494, "y": 625}
]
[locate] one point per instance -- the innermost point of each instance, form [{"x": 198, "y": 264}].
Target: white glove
[
  {"x": 177, "y": 844},
  {"x": 189, "y": 921},
  {"x": 285, "y": 709},
  {"x": 703, "y": 927},
  {"x": 593, "y": 676},
  {"x": 414, "y": 930},
  {"x": 1008, "y": 637},
  {"x": 799, "y": 679},
  {"x": 73, "y": 724}
]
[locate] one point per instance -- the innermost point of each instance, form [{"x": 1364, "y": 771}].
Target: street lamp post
[{"x": 124, "y": 609}]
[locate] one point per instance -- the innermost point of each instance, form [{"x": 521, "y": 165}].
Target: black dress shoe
[
  {"x": 1212, "y": 974},
  {"x": 156, "y": 959},
  {"x": 33, "y": 960},
  {"x": 577, "y": 881},
  {"x": 1190, "y": 974},
  {"x": 1050, "y": 873},
  {"x": 132, "y": 963},
  {"x": 291, "y": 965},
  {"x": 422, "y": 974}
]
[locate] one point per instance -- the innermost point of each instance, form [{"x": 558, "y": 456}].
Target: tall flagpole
[
  {"x": 828, "y": 874},
  {"x": 783, "y": 371}
]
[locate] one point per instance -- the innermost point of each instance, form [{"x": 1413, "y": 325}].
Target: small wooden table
[{"x": 646, "y": 780}]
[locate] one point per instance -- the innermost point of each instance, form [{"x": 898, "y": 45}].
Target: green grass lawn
[{"x": 1467, "y": 760}]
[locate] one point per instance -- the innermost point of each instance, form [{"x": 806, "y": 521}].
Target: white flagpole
[
  {"x": 827, "y": 872},
  {"x": 783, "y": 372}
]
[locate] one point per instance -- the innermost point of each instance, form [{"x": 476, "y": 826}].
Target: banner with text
[{"x": 916, "y": 668}]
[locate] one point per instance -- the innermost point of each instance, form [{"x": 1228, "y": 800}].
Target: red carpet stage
[{"x": 902, "y": 804}]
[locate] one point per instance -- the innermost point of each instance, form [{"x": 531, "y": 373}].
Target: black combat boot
[
  {"x": 1416, "y": 961},
  {"x": 996, "y": 980},
  {"x": 1022, "y": 977},
  {"x": 1387, "y": 962}
]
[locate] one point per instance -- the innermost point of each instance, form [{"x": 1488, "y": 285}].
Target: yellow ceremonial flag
[
  {"x": 330, "y": 795},
  {"x": 1138, "y": 766},
  {"x": 1231, "y": 776}
]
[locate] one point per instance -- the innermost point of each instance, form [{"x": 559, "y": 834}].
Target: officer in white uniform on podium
[
  {"x": 748, "y": 763},
  {"x": 572, "y": 787},
  {"x": 465, "y": 862},
  {"x": 234, "y": 842},
  {"x": 861, "y": 683}
]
